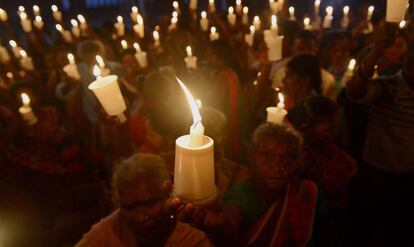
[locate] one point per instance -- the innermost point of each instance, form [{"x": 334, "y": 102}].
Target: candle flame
[
  {"x": 38, "y": 18},
  {"x": 71, "y": 58},
  {"x": 96, "y": 71},
  {"x": 54, "y": 8},
  {"x": 329, "y": 10},
  {"x": 25, "y": 99},
  {"x": 140, "y": 20},
  {"x": 306, "y": 21},
  {"x": 317, "y": 3},
  {"x": 13, "y": 43},
  {"x": 245, "y": 10},
  {"x": 211, "y": 2},
  {"x": 59, "y": 27},
  {"x": 189, "y": 51},
  {"x": 23, "y": 16},
  {"x": 231, "y": 10},
  {"x": 203, "y": 14},
  {"x": 256, "y": 19},
  {"x": 352, "y": 64},
  {"x": 402, "y": 24},
  {"x": 175, "y": 4},
  {"x": 134, "y": 9},
  {"x": 252, "y": 29},
  {"x": 120, "y": 19},
  {"x": 74, "y": 23},
  {"x": 156, "y": 35},
  {"x": 238, "y": 2},
  {"x": 274, "y": 21},
  {"x": 23, "y": 53},
  {"x": 281, "y": 98},
  {"x": 81, "y": 19},
  {"x": 213, "y": 29},
  {"x": 346, "y": 10},
  {"x": 371, "y": 9},
  {"x": 137, "y": 47},
  {"x": 175, "y": 14},
  {"x": 291, "y": 10},
  {"x": 124, "y": 44},
  {"x": 36, "y": 8},
  {"x": 21, "y": 9},
  {"x": 100, "y": 61},
  {"x": 191, "y": 102}
]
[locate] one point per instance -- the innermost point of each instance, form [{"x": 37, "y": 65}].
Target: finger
[
  {"x": 199, "y": 216},
  {"x": 167, "y": 186},
  {"x": 186, "y": 213},
  {"x": 172, "y": 205}
]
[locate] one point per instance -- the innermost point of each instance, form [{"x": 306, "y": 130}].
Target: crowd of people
[{"x": 339, "y": 170}]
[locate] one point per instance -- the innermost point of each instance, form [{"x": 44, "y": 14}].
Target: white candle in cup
[
  {"x": 36, "y": 10},
  {"x": 4, "y": 55},
  {"x": 71, "y": 69},
  {"x": 211, "y": 6},
  {"x": 231, "y": 17},
  {"x": 292, "y": 14},
  {"x": 108, "y": 93},
  {"x": 204, "y": 21},
  {"x": 274, "y": 45},
  {"x": 245, "y": 17},
  {"x": 194, "y": 161},
  {"x": 277, "y": 114},
  {"x": 193, "y": 4},
  {"x": 214, "y": 35},
  {"x": 25, "y": 22},
  {"x": 141, "y": 56},
  {"x": 15, "y": 48},
  {"x": 26, "y": 62},
  {"x": 396, "y": 10},
  {"x": 139, "y": 27},
  {"x": 306, "y": 24},
  {"x": 26, "y": 111},
  {"x": 56, "y": 13},
  {"x": 349, "y": 73},
  {"x": 274, "y": 6},
  {"x": 3, "y": 15},
  {"x": 327, "y": 21},
  {"x": 249, "y": 38},
  {"x": 66, "y": 35},
  {"x": 256, "y": 22},
  {"x": 156, "y": 37},
  {"x": 190, "y": 60},
  {"x": 120, "y": 26},
  {"x": 38, "y": 22},
  {"x": 239, "y": 7},
  {"x": 82, "y": 22},
  {"x": 134, "y": 13},
  {"x": 75, "y": 28},
  {"x": 345, "y": 18}
]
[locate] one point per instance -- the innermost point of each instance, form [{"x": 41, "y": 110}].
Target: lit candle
[
  {"x": 25, "y": 22},
  {"x": 204, "y": 21},
  {"x": 274, "y": 44},
  {"x": 292, "y": 14},
  {"x": 71, "y": 69},
  {"x": 349, "y": 73},
  {"x": 327, "y": 21},
  {"x": 273, "y": 31},
  {"x": 15, "y": 48},
  {"x": 21, "y": 9},
  {"x": 306, "y": 24},
  {"x": 4, "y": 55},
  {"x": 245, "y": 17},
  {"x": 38, "y": 22},
  {"x": 249, "y": 38},
  {"x": 274, "y": 23},
  {"x": 174, "y": 20},
  {"x": 214, "y": 35},
  {"x": 56, "y": 13},
  {"x": 156, "y": 37},
  {"x": 193, "y": 4},
  {"x": 396, "y": 10},
  {"x": 139, "y": 27},
  {"x": 3, "y": 15},
  {"x": 402, "y": 24},
  {"x": 124, "y": 44},
  {"x": 141, "y": 56},
  {"x": 36, "y": 10},
  {"x": 26, "y": 62},
  {"x": 100, "y": 62},
  {"x": 75, "y": 28},
  {"x": 108, "y": 93},
  {"x": 376, "y": 74},
  {"x": 26, "y": 111},
  {"x": 134, "y": 13},
  {"x": 316, "y": 6},
  {"x": 120, "y": 26},
  {"x": 273, "y": 6},
  {"x": 194, "y": 161},
  {"x": 239, "y": 6},
  {"x": 231, "y": 17},
  {"x": 176, "y": 7},
  {"x": 190, "y": 60},
  {"x": 370, "y": 12},
  {"x": 256, "y": 22},
  {"x": 276, "y": 115},
  {"x": 83, "y": 24},
  {"x": 211, "y": 6},
  {"x": 345, "y": 18},
  {"x": 67, "y": 36}
]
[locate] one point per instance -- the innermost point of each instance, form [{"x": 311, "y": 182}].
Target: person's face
[
  {"x": 326, "y": 130},
  {"x": 395, "y": 53},
  {"x": 293, "y": 85},
  {"x": 273, "y": 163},
  {"x": 302, "y": 47},
  {"x": 130, "y": 65},
  {"x": 141, "y": 206}
]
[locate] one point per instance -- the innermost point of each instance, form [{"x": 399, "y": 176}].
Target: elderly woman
[{"x": 141, "y": 219}]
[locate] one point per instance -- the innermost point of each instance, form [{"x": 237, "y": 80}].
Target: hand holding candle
[{"x": 26, "y": 111}]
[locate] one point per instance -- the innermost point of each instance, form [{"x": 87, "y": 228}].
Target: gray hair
[
  {"x": 279, "y": 131},
  {"x": 90, "y": 46},
  {"x": 148, "y": 168}
]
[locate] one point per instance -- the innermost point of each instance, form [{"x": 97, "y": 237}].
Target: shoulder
[
  {"x": 327, "y": 76},
  {"x": 186, "y": 235},
  {"x": 103, "y": 233}
]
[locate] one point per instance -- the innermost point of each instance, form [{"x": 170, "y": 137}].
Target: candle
[
  {"x": 376, "y": 74},
  {"x": 120, "y": 26},
  {"x": 249, "y": 38},
  {"x": 75, "y": 28},
  {"x": 316, "y": 6},
  {"x": 274, "y": 45},
  {"x": 3, "y": 15},
  {"x": 176, "y": 7},
  {"x": 204, "y": 21},
  {"x": 239, "y": 6},
  {"x": 213, "y": 34},
  {"x": 21, "y": 9},
  {"x": 327, "y": 21},
  {"x": 273, "y": 31},
  {"x": 274, "y": 23},
  {"x": 306, "y": 24},
  {"x": 231, "y": 17},
  {"x": 274, "y": 6},
  {"x": 71, "y": 69},
  {"x": 396, "y": 10},
  {"x": 26, "y": 111},
  {"x": 156, "y": 37},
  {"x": 345, "y": 18},
  {"x": 83, "y": 24},
  {"x": 25, "y": 22},
  {"x": 139, "y": 27},
  {"x": 15, "y": 48},
  {"x": 56, "y": 13},
  {"x": 134, "y": 13},
  {"x": 124, "y": 44},
  {"x": 38, "y": 22},
  {"x": 190, "y": 60},
  {"x": 402, "y": 24},
  {"x": 292, "y": 14},
  {"x": 108, "y": 93},
  {"x": 102, "y": 67},
  {"x": 4, "y": 55},
  {"x": 174, "y": 20},
  {"x": 277, "y": 114},
  {"x": 211, "y": 6},
  {"x": 193, "y": 4},
  {"x": 26, "y": 62},
  {"x": 256, "y": 22},
  {"x": 66, "y": 35},
  {"x": 36, "y": 10},
  {"x": 349, "y": 73},
  {"x": 194, "y": 161},
  {"x": 245, "y": 17},
  {"x": 141, "y": 56},
  {"x": 370, "y": 12}
]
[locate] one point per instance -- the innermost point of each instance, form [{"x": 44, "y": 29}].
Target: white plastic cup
[
  {"x": 274, "y": 44},
  {"x": 396, "y": 10},
  {"x": 275, "y": 115}
]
